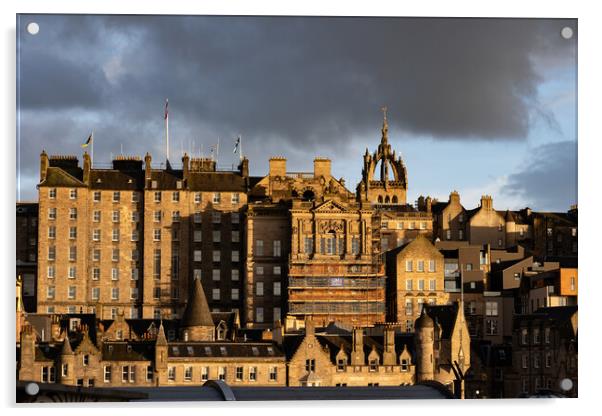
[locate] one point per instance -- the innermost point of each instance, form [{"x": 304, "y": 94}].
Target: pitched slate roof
[{"x": 128, "y": 351}]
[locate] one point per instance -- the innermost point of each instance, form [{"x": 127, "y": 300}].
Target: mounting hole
[
  {"x": 33, "y": 28},
  {"x": 32, "y": 389},
  {"x": 566, "y": 32},
  {"x": 566, "y": 384}
]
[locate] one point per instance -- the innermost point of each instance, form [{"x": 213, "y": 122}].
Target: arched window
[
  {"x": 309, "y": 195},
  {"x": 394, "y": 200},
  {"x": 387, "y": 200},
  {"x": 380, "y": 199}
]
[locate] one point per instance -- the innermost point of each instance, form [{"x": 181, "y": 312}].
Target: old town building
[{"x": 27, "y": 252}]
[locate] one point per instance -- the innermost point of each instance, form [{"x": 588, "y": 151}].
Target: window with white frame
[
  {"x": 277, "y": 288},
  {"x": 72, "y": 233},
  {"x": 171, "y": 373},
  {"x": 409, "y": 284},
  {"x": 134, "y": 293},
  {"x": 72, "y": 272},
  {"x": 235, "y": 198},
  {"x": 72, "y": 253},
  {"x": 134, "y": 274},
  {"x": 491, "y": 309},
  {"x": 50, "y": 292},
  {"x": 432, "y": 285},
  {"x": 107, "y": 373},
  {"x": 235, "y": 274},
  {"x": 216, "y": 197},
  {"x": 52, "y": 193},
  {"x": 157, "y": 216},
  {"x": 116, "y": 196},
  {"x": 115, "y": 254},
  {"x": 175, "y": 196},
  {"x": 52, "y": 213},
  {"x": 409, "y": 265},
  {"x": 409, "y": 307},
  {"x": 71, "y": 292},
  {"x": 197, "y": 197},
  {"x": 115, "y": 236},
  {"x": 157, "y": 234},
  {"x": 96, "y": 235},
  {"x": 51, "y": 253},
  {"x": 115, "y": 216},
  {"x": 114, "y": 273},
  {"x": 432, "y": 266},
  {"x": 95, "y": 293},
  {"x": 215, "y": 294},
  {"x": 420, "y": 267},
  {"x": 72, "y": 213},
  {"x": 216, "y": 274},
  {"x": 115, "y": 293},
  {"x": 96, "y": 254},
  {"x": 51, "y": 272},
  {"x": 175, "y": 216}
]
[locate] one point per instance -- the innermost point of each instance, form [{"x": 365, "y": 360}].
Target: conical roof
[
  {"x": 424, "y": 321},
  {"x": 197, "y": 310},
  {"x": 161, "y": 339},
  {"x": 66, "y": 346}
]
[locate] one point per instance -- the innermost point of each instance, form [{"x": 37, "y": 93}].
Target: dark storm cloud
[
  {"x": 549, "y": 180},
  {"x": 290, "y": 85}
]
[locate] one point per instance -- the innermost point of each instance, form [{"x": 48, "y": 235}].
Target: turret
[
  {"x": 43, "y": 165},
  {"x": 185, "y": 166},
  {"x": 424, "y": 339},
  {"x": 55, "y": 328},
  {"x": 67, "y": 363},
  {"x": 147, "y": 167},
  {"x": 197, "y": 323},
  {"x": 389, "y": 357},
  {"x": 357, "y": 354},
  {"x": 27, "y": 356},
  {"x": 87, "y": 168},
  {"x": 161, "y": 347}
]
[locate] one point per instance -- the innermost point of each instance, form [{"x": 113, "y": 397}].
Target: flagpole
[
  {"x": 217, "y": 154},
  {"x": 166, "y": 130},
  {"x": 92, "y": 151},
  {"x": 240, "y": 146}
]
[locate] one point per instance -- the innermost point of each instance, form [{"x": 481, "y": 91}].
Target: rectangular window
[
  {"x": 524, "y": 336},
  {"x": 204, "y": 373},
  {"x": 115, "y": 254},
  {"x": 276, "y": 288},
  {"x": 71, "y": 292},
  {"x": 259, "y": 270},
  {"x": 73, "y": 193},
  {"x": 215, "y": 294},
  {"x": 50, "y": 291},
  {"x": 134, "y": 274},
  {"x": 51, "y": 253},
  {"x": 547, "y": 335},
  {"x": 235, "y": 218},
  {"x": 175, "y": 196},
  {"x": 409, "y": 284},
  {"x": 197, "y": 217},
  {"x": 216, "y": 275},
  {"x": 96, "y": 254},
  {"x": 408, "y": 265},
  {"x": 198, "y": 255},
  {"x": 135, "y": 235},
  {"x": 95, "y": 293},
  {"x": 421, "y": 285},
  {"x": 491, "y": 309},
  {"x": 216, "y": 198},
  {"x": 259, "y": 247},
  {"x": 277, "y": 314},
  {"x": 157, "y": 234},
  {"x": 157, "y": 294},
  {"x": 107, "y": 373},
  {"x": 116, "y": 196},
  {"x": 277, "y": 247},
  {"x": 197, "y": 197},
  {"x": 188, "y": 374},
  {"x": 52, "y": 231},
  {"x": 157, "y": 216},
  {"x": 216, "y": 255},
  {"x": 52, "y": 213},
  {"x": 259, "y": 314},
  {"x": 234, "y": 294},
  {"x": 235, "y": 236},
  {"x": 310, "y": 365},
  {"x": 491, "y": 326},
  {"x": 115, "y": 234},
  {"x": 72, "y": 253},
  {"x": 171, "y": 374},
  {"x": 432, "y": 285},
  {"x": 409, "y": 307},
  {"x": 309, "y": 245},
  {"x": 72, "y": 213},
  {"x": 72, "y": 272},
  {"x": 115, "y": 216},
  {"x": 51, "y": 272},
  {"x": 259, "y": 289},
  {"x": 114, "y": 274},
  {"x": 235, "y": 274},
  {"x": 217, "y": 236},
  {"x": 239, "y": 373},
  {"x": 420, "y": 267},
  {"x": 52, "y": 193},
  {"x": 198, "y": 236},
  {"x": 72, "y": 233},
  {"x": 536, "y": 337},
  {"x": 96, "y": 235},
  {"x": 115, "y": 293},
  {"x": 253, "y": 374},
  {"x": 134, "y": 293},
  {"x": 221, "y": 373},
  {"x": 96, "y": 197},
  {"x": 235, "y": 198},
  {"x": 431, "y": 266},
  {"x": 175, "y": 216},
  {"x": 235, "y": 256}
]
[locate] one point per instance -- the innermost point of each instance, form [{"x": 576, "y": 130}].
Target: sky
[{"x": 481, "y": 106}]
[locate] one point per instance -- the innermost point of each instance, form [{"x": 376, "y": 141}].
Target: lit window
[
  {"x": 235, "y": 274},
  {"x": 259, "y": 314}
]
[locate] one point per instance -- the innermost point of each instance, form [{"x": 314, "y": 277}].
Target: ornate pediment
[{"x": 330, "y": 206}]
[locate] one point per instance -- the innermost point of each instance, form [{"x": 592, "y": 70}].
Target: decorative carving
[{"x": 331, "y": 225}]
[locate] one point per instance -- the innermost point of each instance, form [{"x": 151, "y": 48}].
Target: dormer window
[
  {"x": 374, "y": 364},
  {"x": 341, "y": 364}
]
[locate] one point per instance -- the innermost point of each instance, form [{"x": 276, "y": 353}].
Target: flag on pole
[
  {"x": 236, "y": 144},
  {"x": 87, "y": 143},
  {"x": 166, "y": 105}
]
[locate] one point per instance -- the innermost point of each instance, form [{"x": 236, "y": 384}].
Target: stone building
[
  {"x": 128, "y": 237},
  {"x": 27, "y": 252},
  {"x": 544, "y": 352},
  {"x": 415, "y": 277},
  {"x": 81, "y": 350}
]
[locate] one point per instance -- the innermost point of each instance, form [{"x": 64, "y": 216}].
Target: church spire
[{"x": 385, "y": 130}]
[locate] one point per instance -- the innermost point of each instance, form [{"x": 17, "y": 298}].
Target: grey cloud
[{"x": 549, "y": 179}]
